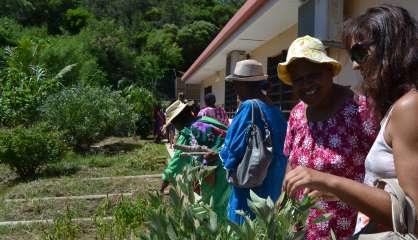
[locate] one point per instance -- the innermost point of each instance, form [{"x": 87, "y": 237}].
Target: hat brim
[
  {"x": 233, "y": 77},
  {"x": 177, "y": 112},
  {"x": 284, "y": 74}
]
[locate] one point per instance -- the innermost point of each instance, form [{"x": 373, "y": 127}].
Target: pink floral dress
[{"x": 337, "y": 146}]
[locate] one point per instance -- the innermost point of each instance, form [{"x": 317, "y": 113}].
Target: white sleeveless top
[{"x": 379, "y": 162}]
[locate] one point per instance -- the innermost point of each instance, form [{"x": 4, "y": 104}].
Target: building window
[
  {"x": 281, "y": 94},
  {"x": 231, "y": 103},
  {"x": 207, "y": 90}
]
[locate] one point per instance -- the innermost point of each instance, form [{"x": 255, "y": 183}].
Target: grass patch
[
  {"x": 35, "y": 231},
  {"x": 76, "y": 187},
  {"x": 38, "y": 210},
  {"x": 146, "y": 158},
  {"x": 70, "y": 178}
]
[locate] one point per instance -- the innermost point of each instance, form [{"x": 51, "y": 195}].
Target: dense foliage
[
  {"x": 26, "y": 150},
  {"x": 135, "y": 46},
  {"x": 25, "y": 83},
  {"x": 121, "y": 41},
  {"x": 88, "y": 114},
  {"x": 94, "y": 68},
  {"x": 143, "y": 102}
]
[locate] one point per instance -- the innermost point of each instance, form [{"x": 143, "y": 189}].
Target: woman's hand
[
  {"x": 318, "y": 195},
  {"x": 302, "y": 177}
]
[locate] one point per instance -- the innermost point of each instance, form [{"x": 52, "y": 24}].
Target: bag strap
[
  {"x": 252, "y": 112},
  {"x": 401, "y": 205},
  {"x": 266, "y": 126}
]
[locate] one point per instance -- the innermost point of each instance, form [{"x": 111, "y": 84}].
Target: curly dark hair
[{"x": 392, "y": 67}]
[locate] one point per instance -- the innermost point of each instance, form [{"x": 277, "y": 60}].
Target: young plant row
[{"x": 182, "y": 215}]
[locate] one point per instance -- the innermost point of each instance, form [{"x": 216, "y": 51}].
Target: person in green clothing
[{"x": 202, "y": 131}]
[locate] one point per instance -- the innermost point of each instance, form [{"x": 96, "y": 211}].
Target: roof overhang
[{"x": 256, "y": 23}]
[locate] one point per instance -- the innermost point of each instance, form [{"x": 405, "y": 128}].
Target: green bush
[
  {"x": 144, "y": 102},
  {"x": 24, "y": 84},
  {"x": 76, "y": 19},
  {"x": 184, "y": 216},
  {"x": 26, "y": 150},
  {"x": 60, "y": 51},
  {"x": 88, "y": 114},
  {"x": 110, "y": 43},
  {"x": 9, "y": 31},
  {"x": 64, "y": 228}
]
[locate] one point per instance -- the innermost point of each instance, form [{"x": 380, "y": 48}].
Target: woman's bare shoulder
[
  {"x": 407, "y": 103},
  {"x": 405, "y": 112}
]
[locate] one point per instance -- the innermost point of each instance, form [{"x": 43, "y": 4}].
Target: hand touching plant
[{"x": 302, "y": 177}]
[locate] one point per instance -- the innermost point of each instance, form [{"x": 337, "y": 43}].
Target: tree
[
  {"x": 38, "y": 12},
  {"x": 76, "y": 19},
  {"x": 193, "y": 39},
  {"x": 109, "y": 43},
  {"x": 221, "y": 13},
  {"x": 124, "y": 12},
  {"x": 9, "y": 30}
]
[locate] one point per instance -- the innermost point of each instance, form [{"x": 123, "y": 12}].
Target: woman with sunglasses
[
  {"x": 383, "y": 47},
  {"x": 330, "y": 130}
]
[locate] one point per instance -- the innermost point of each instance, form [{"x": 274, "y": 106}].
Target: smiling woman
[{"x": 330, "y": 130}]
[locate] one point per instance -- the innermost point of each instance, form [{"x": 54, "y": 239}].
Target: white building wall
[
  {"x": 275, "y": 46},
  {"x": 218, "y": 88}
]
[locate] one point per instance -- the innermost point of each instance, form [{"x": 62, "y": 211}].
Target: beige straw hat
[
  {"x": 309, "y": 48},
  {"x": 249, "y": 70},
  {"x": 174, "y": 110}
]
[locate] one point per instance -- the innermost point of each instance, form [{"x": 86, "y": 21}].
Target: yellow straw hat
[
  {"x": 309, "y": 48},
  {"x": 174, "y": 110}
]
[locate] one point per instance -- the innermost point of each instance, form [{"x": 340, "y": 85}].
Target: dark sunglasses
[{"x": 359, "y": 52}]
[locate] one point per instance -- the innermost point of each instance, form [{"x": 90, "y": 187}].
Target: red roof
[{"x": 244, "y": 13}]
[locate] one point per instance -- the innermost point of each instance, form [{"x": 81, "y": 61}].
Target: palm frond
[{"x": 39, "y": 72}]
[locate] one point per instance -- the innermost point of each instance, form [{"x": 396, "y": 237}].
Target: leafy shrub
[
  {"x": 144, "y": 102},
  {"x": 88, "y": 114},
  {"x": 9, "y": 31},
  {"x": 185, "y": 216},
  {"x": 64, "y": 228},
  {"x": 153, "y": 14},
  {"x": 194, "y": 37},
  {"x": 26, "y": 150},
  {"x": 65, "y": 50},
  {"x": 76, "y": 19},
  {"x": 24, "y": 84},
  {"x": 110, "y": 43},
  {"x": 128, "y": 214}
]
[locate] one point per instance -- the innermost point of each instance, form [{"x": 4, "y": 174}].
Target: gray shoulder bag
[
  {"x": 253, "y": 168},
  {"x": 403, "y": 216}
]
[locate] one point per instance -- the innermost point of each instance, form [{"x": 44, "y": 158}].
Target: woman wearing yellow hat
[{"x": 330, "y": 130}]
